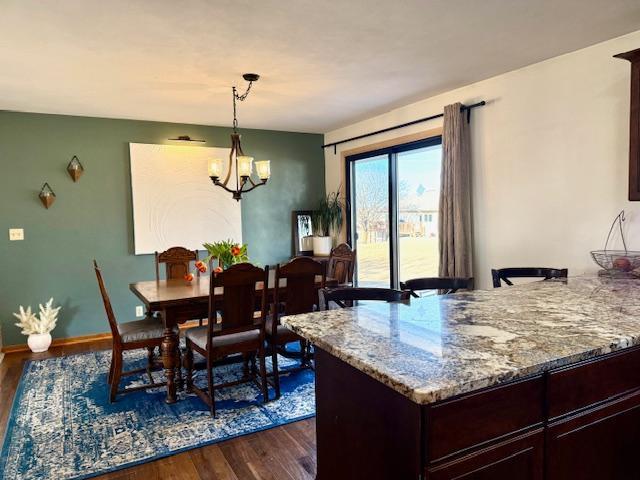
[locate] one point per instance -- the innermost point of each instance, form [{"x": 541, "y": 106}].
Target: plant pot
[
  {"x": 322, "y": 246},
  {"x": 39, "y": 342}
]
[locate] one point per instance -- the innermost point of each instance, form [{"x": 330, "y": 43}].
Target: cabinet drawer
[
  {"x": 520, "y": 458},
  {"x": 590, "y": 382},
  {"x": 596, "y": 444},
  {"x": 483, "y": 416}
]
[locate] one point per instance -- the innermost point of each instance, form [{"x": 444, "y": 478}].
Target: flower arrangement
[
  {"x": 31, "y": 324},
  {"x": 227, "y": 252}
]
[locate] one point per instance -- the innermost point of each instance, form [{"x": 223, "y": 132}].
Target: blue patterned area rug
[{"x": 62, "y": 426}]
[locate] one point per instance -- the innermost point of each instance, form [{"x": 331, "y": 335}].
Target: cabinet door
[
  {"x": 600, "y": 443},
  {"x": 520, "y": 458}
]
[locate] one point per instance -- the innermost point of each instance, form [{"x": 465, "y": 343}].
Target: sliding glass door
[{"x": 393, "y": 210}]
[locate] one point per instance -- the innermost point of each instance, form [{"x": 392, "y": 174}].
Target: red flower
[
  {"x": 188, "y": 277},
  {"x": 201, "y": 266},
  {"x": 236, "y": 250},
  {"x": 218, "y": 270}
]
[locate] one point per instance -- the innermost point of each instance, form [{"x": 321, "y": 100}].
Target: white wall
[{"x": 550, "y": 158}]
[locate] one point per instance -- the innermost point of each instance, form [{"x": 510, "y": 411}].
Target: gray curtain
[{"x": 455, "y": 196}]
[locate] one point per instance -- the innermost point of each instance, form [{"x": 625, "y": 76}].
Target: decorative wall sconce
[
  {"x": 75, "y": 168},
  {"x": 47, "y": 196}
]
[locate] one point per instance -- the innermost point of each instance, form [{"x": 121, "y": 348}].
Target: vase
[
  {"x": 39, "y": 342},
  {"x": 322, "y": 246}
]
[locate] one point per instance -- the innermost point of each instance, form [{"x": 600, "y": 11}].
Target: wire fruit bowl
[{"x": 618, "y": 262}]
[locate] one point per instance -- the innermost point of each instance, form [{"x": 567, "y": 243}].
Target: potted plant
[
  {"x": 326, "y": 219},
  {"x": 38, "y": 329},
  {"x": 227, "y": 253}
]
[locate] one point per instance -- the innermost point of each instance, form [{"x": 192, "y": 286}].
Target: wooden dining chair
[
  {"x": 444, "y": 285},
  {"x": 505, "y": 274},
  {"x": 342, "y": 261},
  {"x": 138, "y": 334},
  {"x": 177, "y": 261},
  {"x": 340, "y": 296},
  {"x": 300, "y": 295},
  {"x": 237, "y": 332}
]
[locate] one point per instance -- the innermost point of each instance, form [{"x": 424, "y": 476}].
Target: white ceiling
[{"x": 324, "y": 63}]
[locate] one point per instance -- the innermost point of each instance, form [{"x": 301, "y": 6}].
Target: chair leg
[
  {"x": 188, "y": 365},
  {"x": 212, "y": 407},
  {"x": 276, "y": 372},
  {"x": 117, "y": 372},
  {"x": 303, "y": 353},
  {"x": 150, "y": 357},
  {"x": 245, "y": 365},
  {"x": 263, "y": 374},
  {"x": 254, "y": 369},
  {"x": 110, "y": 377}
]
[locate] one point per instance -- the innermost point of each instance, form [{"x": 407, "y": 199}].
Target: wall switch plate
[
  {"x": 16, "y": 234},
  {"x": 139, "y": 311}
]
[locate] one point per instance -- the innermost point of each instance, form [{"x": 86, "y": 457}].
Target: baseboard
[{"x": 95, "y": 337}]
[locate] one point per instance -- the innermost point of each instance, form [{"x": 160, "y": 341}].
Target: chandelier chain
[{"x": 241, "y": 98}]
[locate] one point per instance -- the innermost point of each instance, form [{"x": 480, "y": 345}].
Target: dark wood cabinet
[
  {"x": 601, "y": 443},
  {"x": 580, "y": 422},
  {"x": 521, "y": 458}
]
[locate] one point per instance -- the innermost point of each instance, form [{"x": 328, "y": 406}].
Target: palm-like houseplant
[{"x": 327, "y": 220}]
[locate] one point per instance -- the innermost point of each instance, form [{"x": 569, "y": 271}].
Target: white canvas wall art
[{"x": 174, "y": 201}]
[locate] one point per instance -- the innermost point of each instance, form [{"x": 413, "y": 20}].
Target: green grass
[{"x": 418, "y": 258}]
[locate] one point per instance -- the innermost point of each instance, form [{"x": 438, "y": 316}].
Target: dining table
[{"x": 178, "y": 301}]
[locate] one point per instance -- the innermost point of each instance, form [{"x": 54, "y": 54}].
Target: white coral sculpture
[{"x": 31, "y": 324}]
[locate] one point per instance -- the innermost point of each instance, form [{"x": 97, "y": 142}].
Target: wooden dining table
[{"x": 178, "y": 301}]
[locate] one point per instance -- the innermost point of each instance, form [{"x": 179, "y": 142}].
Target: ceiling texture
[{"x": 324, "y": 63}]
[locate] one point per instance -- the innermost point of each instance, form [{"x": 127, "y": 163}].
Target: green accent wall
[{"x": 93, "y": 218}]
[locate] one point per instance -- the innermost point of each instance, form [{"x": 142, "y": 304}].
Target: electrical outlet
[
  {"x": 16, "y": 234},
  {"x": 139, "y": 311}
]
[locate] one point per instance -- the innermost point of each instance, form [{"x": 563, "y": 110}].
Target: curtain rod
[{"x": 468, "y": 108}]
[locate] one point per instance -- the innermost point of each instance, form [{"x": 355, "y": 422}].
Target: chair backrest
[
  {"x": 238, "y": 303},
  {"x": 113, "y": 324},
  {"x": 346, "y": 294},
  {"x": 446, "y": 285},
  {"x": 177, "y": 262},
  {"x": 300, "y": 295},
  {"x": 504, "y": 274},
  {"x": 342, "y": 261}
]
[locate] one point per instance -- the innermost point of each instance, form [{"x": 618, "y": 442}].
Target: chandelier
[{"x": 243, "y": 164}]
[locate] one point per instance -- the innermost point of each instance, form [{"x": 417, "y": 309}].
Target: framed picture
[{"x": 302, "y": 232}]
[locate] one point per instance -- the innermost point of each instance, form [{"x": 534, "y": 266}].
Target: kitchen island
[{"x": 528, "y": 382}]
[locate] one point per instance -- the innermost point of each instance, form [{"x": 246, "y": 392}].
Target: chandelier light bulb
[
  {"x": 215, "y": 167},
  {"x": 245, "y": 166},
  {"x": 263, "y": 169}
]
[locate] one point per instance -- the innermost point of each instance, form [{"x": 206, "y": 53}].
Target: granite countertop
[{"x": 441, "y": 346}]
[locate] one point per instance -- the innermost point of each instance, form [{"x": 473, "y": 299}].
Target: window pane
[
  {"x": 418, "y": 199},
  {"x": 370, "y": 201}
]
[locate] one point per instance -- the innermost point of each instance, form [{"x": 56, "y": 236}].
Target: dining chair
[
  {"x": 342, "y": 261},
  {"x": 300, "y": 295},
  {"x": 238, "y": 331},
  {"x": 445, "y": 285},
  {"x": 177, "y": 261},
  {"x": 505, "y": 274},
  {"x": 138, "y": 334},
  {"x": 340, "y": 296}
]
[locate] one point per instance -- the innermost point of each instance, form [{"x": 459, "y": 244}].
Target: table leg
[{"x": 169, "y": 361}]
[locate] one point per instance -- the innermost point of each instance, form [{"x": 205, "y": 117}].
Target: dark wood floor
[{"x": 282, "y": 453}]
